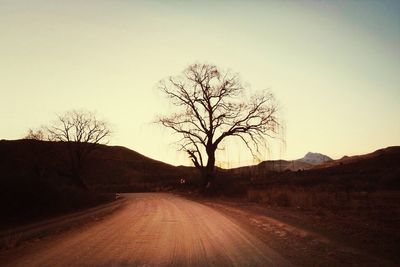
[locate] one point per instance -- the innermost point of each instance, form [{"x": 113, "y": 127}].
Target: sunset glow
[{"x": 334, "y": 67}]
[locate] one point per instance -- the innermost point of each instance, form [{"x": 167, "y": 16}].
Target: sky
[{"x": 333, "y": 66}]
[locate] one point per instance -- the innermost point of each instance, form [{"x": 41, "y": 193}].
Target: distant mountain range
[{"x": 309, "y": 161}]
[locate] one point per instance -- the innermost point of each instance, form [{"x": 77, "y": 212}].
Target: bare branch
[{"x": 82, "y": 132}]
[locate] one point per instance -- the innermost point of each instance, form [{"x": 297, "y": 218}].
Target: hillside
[
  {"x": 392, "y": 151},
  {"x": 34, "y": 181},
  {"x": 122, "y": 166},
  {"x": 272, "y": 166},
  {"x": 307, "y": 162},
  {"x": 373, "y": 171},
  {"x": 108, "y": 165},
  {"x": 358, "y": 196}
]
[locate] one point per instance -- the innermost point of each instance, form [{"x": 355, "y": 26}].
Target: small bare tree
[
  {"x": 39, "y": 134},
  {"x": 82, "y": 132},
  {"x": 211, "y": 109}
]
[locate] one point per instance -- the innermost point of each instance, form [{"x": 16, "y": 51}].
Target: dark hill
[
  {"x": 378, "y": 158},
  {"x": 272, "y": 166},
  {"x": 108, "y": 165},
  {"x": 373, "y": 171},
  {"x": 309, "y": 161},
  {"x": 34, "y": 180}
]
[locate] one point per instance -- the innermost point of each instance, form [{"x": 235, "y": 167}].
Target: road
[{"x": 153, "y": 229}]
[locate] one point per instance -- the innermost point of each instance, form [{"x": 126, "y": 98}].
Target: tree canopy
[{"x": 211, "y": 107}]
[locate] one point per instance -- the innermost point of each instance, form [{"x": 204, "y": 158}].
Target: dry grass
[
  {"x": 369, "y": 219},
  {"x": 320, "y": 197}
]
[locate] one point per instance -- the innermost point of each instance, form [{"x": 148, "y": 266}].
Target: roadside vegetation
[{"x": 355, "y": 199}]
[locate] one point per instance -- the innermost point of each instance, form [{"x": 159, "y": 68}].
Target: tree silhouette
[
  {"x": 211, "y": 108},
  {"x": 39, "y": 134},
  {"x": 82, "y": 132}
]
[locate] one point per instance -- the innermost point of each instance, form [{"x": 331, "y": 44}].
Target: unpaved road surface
[{"x": 153, "y": 229}]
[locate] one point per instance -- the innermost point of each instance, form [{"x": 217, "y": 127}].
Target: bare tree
[
  {"x": 83, "y": 133},
  {"x": 39, "y": 134},
  {"x": 211, "y": 108}
]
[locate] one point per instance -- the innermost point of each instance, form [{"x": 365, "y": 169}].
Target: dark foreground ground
[
  {"x": 317, "y": 237},
  {"x": 160, "y": 229}
]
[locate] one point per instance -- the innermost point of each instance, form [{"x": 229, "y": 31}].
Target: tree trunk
[
  {"x": 207, "y": 172},
  {"x": 207, "y": 177}
]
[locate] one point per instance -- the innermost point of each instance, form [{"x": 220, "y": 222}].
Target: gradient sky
[{"x": 334, "y": 66}]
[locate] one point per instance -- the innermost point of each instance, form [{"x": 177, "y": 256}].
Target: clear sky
[{"x": 334, "y": 66}]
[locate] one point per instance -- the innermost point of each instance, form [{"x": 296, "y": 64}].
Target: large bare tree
[
  {"x": 83, "y": 133},
  {"x": 212, "y": 107}
]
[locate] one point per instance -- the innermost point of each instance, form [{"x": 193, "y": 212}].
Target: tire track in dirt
[{"x": 154, "y": 229}]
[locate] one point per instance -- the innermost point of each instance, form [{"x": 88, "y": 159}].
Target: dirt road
[{"x": 152, "y": 230}]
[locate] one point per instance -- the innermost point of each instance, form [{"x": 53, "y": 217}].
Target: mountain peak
[{"x": 315, "y": 158}]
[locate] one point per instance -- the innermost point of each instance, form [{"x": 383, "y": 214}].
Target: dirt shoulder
[
  {"x": 309, "y": 238},
  {"x": 33, "y": 232}
]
